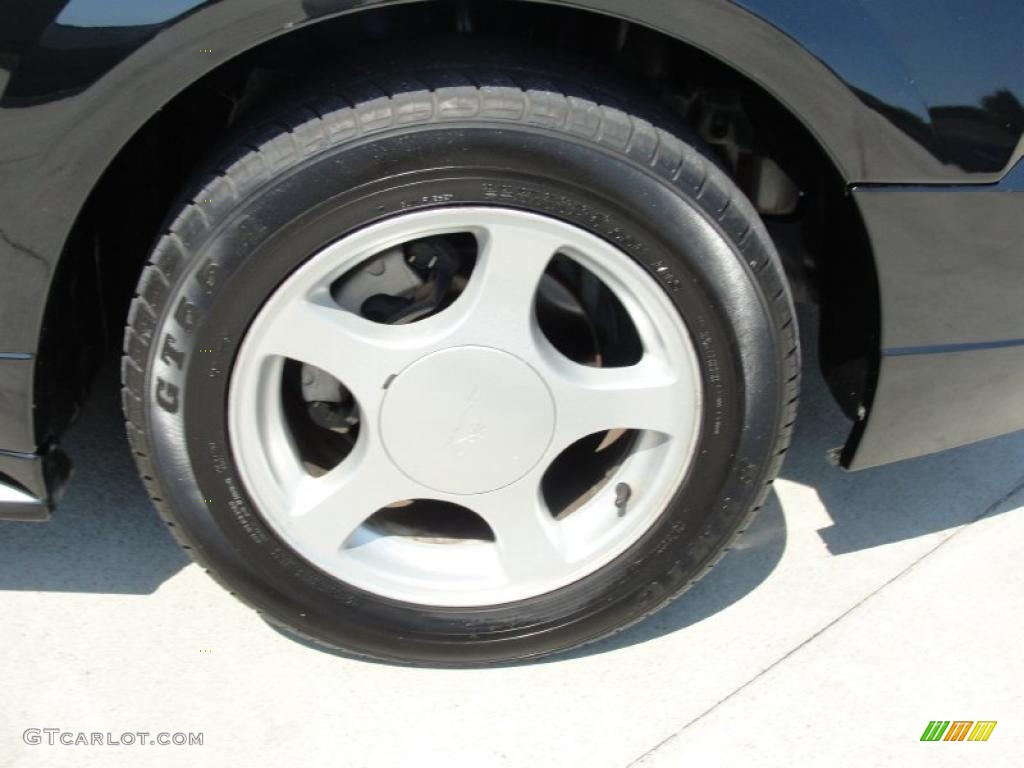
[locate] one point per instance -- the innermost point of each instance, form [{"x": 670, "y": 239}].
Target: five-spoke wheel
[{"x": 470, "y": 406}]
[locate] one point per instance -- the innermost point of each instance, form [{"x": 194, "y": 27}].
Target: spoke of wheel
[
  {"x": 497, "y": 305},
  {"x": 645, "y": 396},
  {"x": 326, "y": 510},
  {"x": 359, "y": 353},
  {"x": 530, "y": 542}
]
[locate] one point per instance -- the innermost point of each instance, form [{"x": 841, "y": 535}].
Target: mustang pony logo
[{"x": 470, "y": 428}]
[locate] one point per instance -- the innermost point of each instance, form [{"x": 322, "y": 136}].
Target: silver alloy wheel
[{"x": 469, "y": 406}]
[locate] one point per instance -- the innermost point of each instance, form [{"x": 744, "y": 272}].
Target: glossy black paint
[
  {"x": 16, "y": 398},
  {"x": 42, "y": 476},
  {"x": 937, "y": 401},
  {"x": 915, "y": 92},
  {"x": 947, "y": 73},
  {"x": 960, "y": 280},
  {"x": 952, "y": 359}
]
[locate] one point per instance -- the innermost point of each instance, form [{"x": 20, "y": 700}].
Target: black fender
[{"x": 79, "y": 78}]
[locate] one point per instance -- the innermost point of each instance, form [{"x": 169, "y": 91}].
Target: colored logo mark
[{"x": 958, "y": 730}]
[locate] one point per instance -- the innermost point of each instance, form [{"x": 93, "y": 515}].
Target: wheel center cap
[{"x": 467, "y": 420}]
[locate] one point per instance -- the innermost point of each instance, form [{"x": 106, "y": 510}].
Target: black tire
[{"x": 453, "y": 138}]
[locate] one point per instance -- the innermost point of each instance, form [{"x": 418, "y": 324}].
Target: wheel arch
[{"x": 181, "y": 67}]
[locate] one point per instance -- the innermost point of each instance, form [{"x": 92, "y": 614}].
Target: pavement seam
[{"x": 1017, "y": 488}]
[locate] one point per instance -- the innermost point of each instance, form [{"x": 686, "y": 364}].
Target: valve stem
[{"x": 622, "y": 494}]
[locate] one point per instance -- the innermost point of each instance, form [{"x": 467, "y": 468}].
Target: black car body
[{"x": 905, "y": 118}]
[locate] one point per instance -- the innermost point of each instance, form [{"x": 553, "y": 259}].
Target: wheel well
[{"x": 769, "y": 152}]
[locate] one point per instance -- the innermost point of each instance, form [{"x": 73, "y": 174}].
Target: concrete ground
[{"x": 856, "y": 609}]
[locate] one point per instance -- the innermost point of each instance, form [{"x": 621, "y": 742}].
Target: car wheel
[{"x": 457, "y": 368}]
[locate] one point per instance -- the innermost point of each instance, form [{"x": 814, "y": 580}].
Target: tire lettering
[
  {"x": 170, "y": 354},
  {"x": 564, "y": 206},
  {"x": 185, "y": 314},
  {"x": 207, "y": 276},
  {"x": 666, "y": 276},
  {"x": 168, "y": 396}
]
